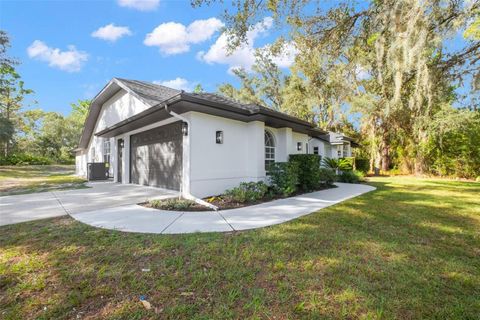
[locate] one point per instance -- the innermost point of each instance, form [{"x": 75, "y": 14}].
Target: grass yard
[
  {"x": 409, "y": 250},
  {"x": 28, "y": 179}
]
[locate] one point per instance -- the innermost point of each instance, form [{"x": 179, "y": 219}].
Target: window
[
  {"x": 269, "y": 149},
  {"x": 315, "y": 150},
  {"x": 92, "y": 153},
  {"x": 106, "y": 152},
  {"x": 339, "y": 153}
]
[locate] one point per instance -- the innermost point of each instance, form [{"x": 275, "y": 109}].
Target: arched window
[{"x": 269, "y": 149}]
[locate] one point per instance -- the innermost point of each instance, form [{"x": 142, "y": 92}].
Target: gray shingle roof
[
  {"x": 154, "y": 95},
  {"x": 223, "y": 100},
  {"x": 150, "y": 93}
]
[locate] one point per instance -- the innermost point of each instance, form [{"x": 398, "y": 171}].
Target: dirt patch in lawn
[{"x": 221, "y": 202}]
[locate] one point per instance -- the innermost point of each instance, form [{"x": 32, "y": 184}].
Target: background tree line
[
  {"x": 31, "y": 135},
  {"x": 406, "y": 72}
]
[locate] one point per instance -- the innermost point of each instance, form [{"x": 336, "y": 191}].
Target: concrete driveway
[{"x": 99, "y": 195}]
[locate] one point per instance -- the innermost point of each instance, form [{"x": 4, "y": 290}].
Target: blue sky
[
  {"x": 70, "y": 49},
  {"x": 62, "y": 61}
]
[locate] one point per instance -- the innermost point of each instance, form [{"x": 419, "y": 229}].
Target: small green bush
[
  {"x": 247, "y": 192},
  {"x": 24, "y": 159},
  {"x": 350, "y": 176},
  {"x": 327, "y": 176},
  {"x": 309, "y": 170},
  {"x": 362, "y": 165},
  {"x": 172, "y": 204},
  {"x": 283, "y": 177}
]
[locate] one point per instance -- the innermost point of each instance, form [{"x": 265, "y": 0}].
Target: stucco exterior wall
[
  {"x": 241, "y": 158},
  {"x": 322, "y": 147},
  {"x": 298, "y": 138},
  {"x": 217, "y": 167},
  {"x": 81, "y": 164},
  {"x": 119, "y": 107}
]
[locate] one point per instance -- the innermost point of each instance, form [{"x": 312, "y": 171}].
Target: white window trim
[{"x": 269, "y": 149}]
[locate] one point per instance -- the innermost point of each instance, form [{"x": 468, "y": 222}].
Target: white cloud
[
  {"x": 142, "y": 5},
  {"x": 177, "y": 83},
  {"x": 244, "y": 56},
  {"x": 287, "y": 57},
  {"x": 111, "y": 32},
  {"x": 70, "y": 60},
  {"x": 174, "y": 38}
]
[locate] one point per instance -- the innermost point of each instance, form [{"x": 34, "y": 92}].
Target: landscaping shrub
[
  {"x": 283, "y": 177},
  {"x": 327, "y": 176},
  {"x": 172, "y": 204},
  {"x": 23, "y": 159},
  {"x": 350, "y": 176},
  {"x": 362, "y": 165},
  {"x": 346, "y": 164},
  {"x": 247, "y": 192},
  {"x": 330, "y": 163},
  {"x": 308, "y": 170}
]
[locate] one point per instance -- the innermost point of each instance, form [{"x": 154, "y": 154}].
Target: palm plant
[{"x": 337, "y": 164}]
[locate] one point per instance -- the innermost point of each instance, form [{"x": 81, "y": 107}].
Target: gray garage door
[{"x": 156, "y": 157}]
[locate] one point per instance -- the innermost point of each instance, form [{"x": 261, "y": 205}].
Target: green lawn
[
  {"x": 409, "y": 250},
  {"x": 28, "y": 179}
]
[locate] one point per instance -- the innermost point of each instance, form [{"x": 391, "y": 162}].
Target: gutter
[{"x": 186, "y": 193}]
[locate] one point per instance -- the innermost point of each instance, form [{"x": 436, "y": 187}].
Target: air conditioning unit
[{"x": 97, "y": 171}]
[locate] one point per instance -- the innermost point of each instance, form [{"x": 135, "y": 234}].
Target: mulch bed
[{"x": 225, "y": 203}]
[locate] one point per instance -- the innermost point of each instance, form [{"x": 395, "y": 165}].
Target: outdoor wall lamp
[
  {"x": 219, "y": 137},
  {"x": 185, "y": 128},
  {"x": 299, "y": 146}
]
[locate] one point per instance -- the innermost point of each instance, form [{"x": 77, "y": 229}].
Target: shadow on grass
[{"x": 404, "y": 251}]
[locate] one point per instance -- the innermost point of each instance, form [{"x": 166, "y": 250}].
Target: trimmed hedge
[
  {"x": 327, "y": 176},
  {"x": 24, "y": 159},
  {"x": 309, "y": 170},
  {"x": 283, "y": 177}
]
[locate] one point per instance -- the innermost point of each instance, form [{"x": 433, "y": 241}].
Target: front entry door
[{"x": 120, "y": 159}]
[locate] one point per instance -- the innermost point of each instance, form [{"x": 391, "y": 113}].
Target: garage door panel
[{"x": 157, "y": 157}]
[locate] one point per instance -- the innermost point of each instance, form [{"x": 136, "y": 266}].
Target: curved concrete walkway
[{"x": 135, "y": 218}]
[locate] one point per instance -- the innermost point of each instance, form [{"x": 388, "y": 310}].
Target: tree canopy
[{"x": 395, "y": 64}]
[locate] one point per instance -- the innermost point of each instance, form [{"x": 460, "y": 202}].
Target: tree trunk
[
  {"x": 384, "y": 152},
  {"x": 419, "y": 165},
  {"x": 7, "y": 143},
  {"x": 385, "y": 158}
]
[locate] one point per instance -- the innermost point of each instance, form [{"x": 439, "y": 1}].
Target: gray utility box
[{"x": 97, "y": 171}]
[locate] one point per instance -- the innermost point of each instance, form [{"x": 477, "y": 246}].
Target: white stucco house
[{"x": 198, "y": 143}]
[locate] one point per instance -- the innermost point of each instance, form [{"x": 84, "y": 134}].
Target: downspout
[{"x": 186, "y": 193}]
